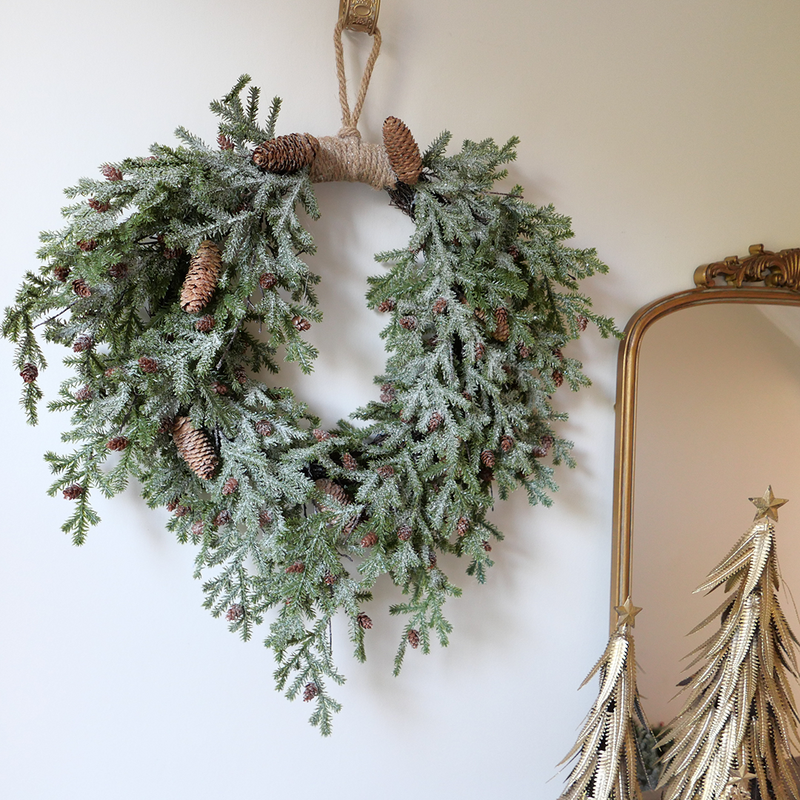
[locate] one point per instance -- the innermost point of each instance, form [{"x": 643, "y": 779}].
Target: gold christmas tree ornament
[
  {"x": 738, "y": 726},
  {"x": 201, "y": 280}
]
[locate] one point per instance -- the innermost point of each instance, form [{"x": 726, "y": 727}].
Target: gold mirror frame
[{"x": 779, "y": 276}]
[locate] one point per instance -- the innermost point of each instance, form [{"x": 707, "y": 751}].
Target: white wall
[{"x": 666, "y": 130}]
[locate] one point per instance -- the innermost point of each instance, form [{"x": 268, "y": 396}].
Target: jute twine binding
[{"x": 345, "y": 157}]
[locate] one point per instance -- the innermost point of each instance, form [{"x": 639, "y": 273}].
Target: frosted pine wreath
[{"x": 174, "y": 284}]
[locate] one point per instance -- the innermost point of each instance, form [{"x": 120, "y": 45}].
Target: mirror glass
[{"x": 718, "y": 421}]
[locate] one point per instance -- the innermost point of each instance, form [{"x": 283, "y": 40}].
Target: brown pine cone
[
  {"x": 403, "y": 152},
  {"x": 404, "y": 533},
  {"x": 583, "y": 322},
  {"x": 96, "y": 205},
  {"x": 117, "y": 443},
  {"x": 29, "y": 373},
  {"x": 386, "y": 305},
  {"x": 479, "y": 314},
  {"x": 61, "y": 273},
  {"x": 84, "y": 393},
  {"x": 348, "y": 462},
  {"x": 387, "y": 393},
  {"x": 558, "y": 354},
  {"x": 148, "y": 365},
  {"x": 206, "y": 323},
  {"x": 198, "y": 527},
  {"x": 558, "y": 378},
  {"x": 231, "y": 485},
  {"x": 111, "y": 173},
  {"x": 83, "y": 342},
  {"x": 329, "y": 579},
  {"x": 310, "y": 691},
  {"x": 182, "y": 511},
  {"x": 501, "y": 329},
  {"x": 370, "y": 540},
  {"x": 223, "y": 518},
  {"x": 264, "y": 518},
  {"x": 194, "y": 448},
  {"x": 320, "y": 435},
  {"x": 435, "y": 421},
  {"x": 118, "y": 270},
  {"x": 234, "y": 613},
  {"x": 480, "y": 351},
  {"x": 386, "y": 471},
  {"x": 87, "y": 245},
  {"x": 364, "y": 621},
  {"x": 542, "y": 449},
  {"x": 166, "y": 425},
  {"x": 300, "y": 323},
  {"x": 81, "y": 288},
  {"x": 73, "y": 492},
  {"x": 462, "y": 526},
  {"x": 219, "y": 388},
  {"x": 334, "y": 490},
  {"x": 413, "y": 638},
  {"x": 267, "y": 281},
  {"x": 507, "y": 444},
  {"x": 297, "y": 567},
  {"x": 172, "y": 505},
  {"x": 241, "y": 375},
  {"x": 440, "y": 306},
  {"x": 524, "y": 350},
  {"x": 171, "y": 253},
  {"x": 488, "y": 458},
  {"x": 408, "y": 323},
  {"x": 224, "y": 142},
  {"x": 285, "y": 154},
  {"x": 201, "y": 279},
  {"x": 264, "y": 427},
  {"x": 487, "y": 547}
]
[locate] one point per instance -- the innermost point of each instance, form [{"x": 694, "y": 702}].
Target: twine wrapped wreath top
[{"x": 179, "y": 281}]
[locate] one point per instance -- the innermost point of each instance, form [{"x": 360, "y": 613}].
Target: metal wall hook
[{"x": 359, "y": 15}]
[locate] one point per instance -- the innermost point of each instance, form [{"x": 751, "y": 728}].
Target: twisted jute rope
[{"x": 345, "y": 157}]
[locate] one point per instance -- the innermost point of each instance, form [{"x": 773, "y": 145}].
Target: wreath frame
[{"x": 480, "y": 303}]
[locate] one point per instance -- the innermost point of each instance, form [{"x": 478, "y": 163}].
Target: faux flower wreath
[{"x": 175, "y": 283}]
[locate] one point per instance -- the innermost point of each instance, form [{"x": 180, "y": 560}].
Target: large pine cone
[
  {"x": 202, "y": 277},
  {"x": 194, "y": 448},
  {"x": 286, "y": 154},
  {"x": 502, "y": 329},
  {"x": 403, "y": 152}
]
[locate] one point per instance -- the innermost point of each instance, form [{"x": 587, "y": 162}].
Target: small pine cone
[
  {"x": 501, "y": 329},
  {"x": 297, "y": 567},
  {"x": 166, "y": 425},
  {"x": 558, "y": 378},
  {"x": 172, "y": 505},
  {"x": 543, "y": 448},
  {"x": 148, "y": 365},
  {"x": 117, "y": 443},
  {"x": 320, "y": 435},
  {"x": 96, "y": 205},
  {"x": 462, "y": 526},
  {"x": 364, "y": 621},
  {"x": 334, "y": 490},
  {"x": 198, "y": 527},
  {"x": 206, "y": 323},
  {"x": 267, "y": 281},
  {"x": 413, "y": 638},
  {"x": 235, "y": 613},
  {"x": 524, "y": 350},
  {"x": 466, "y": 395},
  {"x": 387, "y": 393},
  {"x": 264, "y": 518},
  {"x": 431, "y": 560},
  {"x": 486, "y": 475},
  {"x": 408, "y": 323},
  {"x": 231, "y": 485},
  {"x": 194, "y": 448},
  {"x": 440, "y": 306},
  {"x": 329, "y": 579},
  {"x": 435, "y": 421},
  {"x": 285, "y": 154},
  {"x": 513, "y": 251},
  {"x": 172, "y": 253},
  {"x": 403, "y": 152},
  {"x": 224, "y": 142},
  {"x": 219, "y": 388},
  {"x": 223, "y": 518},
  {"x": 479, "y": 314},
  {"x": 558, "y": 354},
  {"x": 310, "y": 691},
  {"x": 480, "y": 351},
  {"x": 386, "y": 471},
  {"x": 73, "y": 492},
  {"x": 181, "y": 510},
  {"x": 507, "y": 443},
  {"x": 118, "y": 270},
  {"x": 110, "y": 372},
  {"x": 81, "y": 288},
  {"x": 241, "y": 375},
  {"x": 29, "y": 373},
  {"x": 386, "y": 305},
  {"x": 83, "y": 343},
  {"x": 84, "y": 393},
  {"x": 201, "y": 279},
  {"x": 87, "y": 245},
  {"x": 61, "y": 273},
  {"x": 111, "y": 173},
  {"x": 404, "y": 533},
  {"x": 300, "y": 323},
  {"x": 370, "y": 540},
  {"x": 583, "y": 322},
  {"x": 488, "y": 458},
  {"x": 487, "y": 547},
  {"x": 348, "y": 462},
  {"x": 264, "y": 427}
]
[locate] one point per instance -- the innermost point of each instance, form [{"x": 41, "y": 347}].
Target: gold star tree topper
[
  {"x": 768, "y": 505},
  {"x": 627, "y": 613}
]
